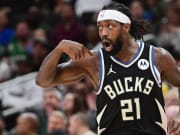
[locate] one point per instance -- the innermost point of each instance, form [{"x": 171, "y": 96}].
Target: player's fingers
[
  {"x": 84, "y": 53},
  {"x": 170, "y": 126},
  {"x": 178, "y": 129},
  {"x": 81, "y": 52},
  {"x": 174, "y": 127},
  {"x": 80, "y": 55},
  {"x": 74, "y": 57},
  {"x": 76, "y": 53}
]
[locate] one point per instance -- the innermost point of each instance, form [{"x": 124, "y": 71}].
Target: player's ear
[{"x": 126, "y": 27}]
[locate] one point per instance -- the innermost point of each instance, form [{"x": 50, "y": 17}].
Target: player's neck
[
  {"x": 129, "y": 49},
  {"x": 125, "y": 49}
]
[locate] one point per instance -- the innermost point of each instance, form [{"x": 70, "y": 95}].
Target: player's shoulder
[
  {"x": 163, "y": 58},
  {"x": 158, "y": 51},
  {"x": 161, "y": 52}
]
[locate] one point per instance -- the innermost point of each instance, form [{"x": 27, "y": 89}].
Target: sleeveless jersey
[{"x": 129, "y": 97}]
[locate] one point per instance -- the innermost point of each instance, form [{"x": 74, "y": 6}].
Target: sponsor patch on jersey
[{"x": 143, "y": 64}]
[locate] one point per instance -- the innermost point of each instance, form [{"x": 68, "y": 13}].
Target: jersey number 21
[{"x": 127, "y": 108}]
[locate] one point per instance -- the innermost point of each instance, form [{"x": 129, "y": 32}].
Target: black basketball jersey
[{"x": 129, "y": 97}]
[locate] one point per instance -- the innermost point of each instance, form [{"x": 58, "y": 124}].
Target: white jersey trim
[
  {"x": 163, "y": 123},
  {"x": 135, "y": 58},
  {"x": 101, "y": 72},
  {"x": 98, "y": 118},
  {"x": 153, "y": 67}
]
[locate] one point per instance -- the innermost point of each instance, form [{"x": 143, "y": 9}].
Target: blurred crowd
[{"x": 30, "y": 29}]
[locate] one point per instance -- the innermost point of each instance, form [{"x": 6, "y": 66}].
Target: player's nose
[{"x": 104, "y": 32}]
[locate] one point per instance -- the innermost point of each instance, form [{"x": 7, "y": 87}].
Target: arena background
[{"x": 30, "y": 29}]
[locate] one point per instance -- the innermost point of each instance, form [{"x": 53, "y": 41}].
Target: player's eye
[
  {"x": 110, "y": 26},
  {"x": 99, "y": 27}
]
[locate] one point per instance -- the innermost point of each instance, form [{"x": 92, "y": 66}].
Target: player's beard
[{"x": 115, "y": 46}]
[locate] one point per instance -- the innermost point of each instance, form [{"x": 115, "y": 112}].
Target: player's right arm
[{"x": 51, "y": 74}]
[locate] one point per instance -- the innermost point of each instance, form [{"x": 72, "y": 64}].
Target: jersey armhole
[
  {"x": 101, "y": 71},
  {"x": 153, "y": 67}
]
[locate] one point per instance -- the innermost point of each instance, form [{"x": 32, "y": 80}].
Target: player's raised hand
[
  {"x": 74, "y": 50},
  {"x": 174, "y": 127}
]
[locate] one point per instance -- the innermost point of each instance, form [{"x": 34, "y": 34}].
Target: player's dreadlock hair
[{"x": 137, "y": 26}]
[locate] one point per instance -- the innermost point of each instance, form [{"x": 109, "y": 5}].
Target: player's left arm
[{"x": 168, "y": 66}]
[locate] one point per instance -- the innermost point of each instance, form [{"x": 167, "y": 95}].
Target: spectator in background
[
  {"x": 73, "y": 104},
  {"x": 20, "y": 6},
  {"x": 40, "y": 33},
  {"x": 6, "y": 33},
  {"x": 137, "y": 9},
  {"x": 23, "y": 65},
  {"x": 52, "y": 101},
  {"x": 52, "y": 13},
  {"x": 69, "y": 27},
  {"x": 58, "y": 6},
  {"x": 172, "y": 104},
  {"x": 40, "y": 49},
  {"x": 92, "y": 37},
  {"x": 172, "y": 111},
  {"x": 57, "y": 121},
  {"x": 34, "y": 17},
  {"x": 171, "y": 101},
  {"x": 154, "y": 11},
  {"x": 169, "y": 36},
  {"x": 91, "y": 103},
  {"x": 150, "y": 6},
  {"x": 22, "y": 44},
  {"x": 58, "y": 132},
  {"x": 27, "y": 124},
  {"x": 2, "y": 127},
  {"x": 178, "y": 60},
  {"x": 79, "y": 125},
  {"x": 84, "y": 89}
]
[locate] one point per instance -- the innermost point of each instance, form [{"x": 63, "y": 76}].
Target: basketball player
[{"x": 127, "y": 75}]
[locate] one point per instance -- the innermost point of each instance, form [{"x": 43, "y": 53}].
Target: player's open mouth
[{"x": 107, "y": 44}]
